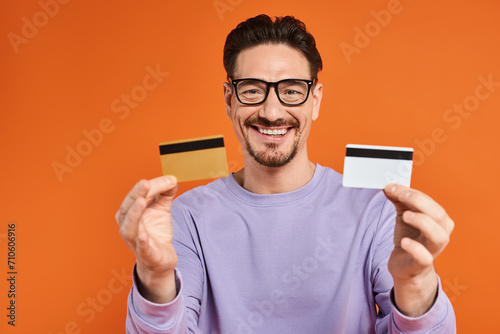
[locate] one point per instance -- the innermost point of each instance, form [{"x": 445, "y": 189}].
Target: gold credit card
[{"x": 194, "y": 159}]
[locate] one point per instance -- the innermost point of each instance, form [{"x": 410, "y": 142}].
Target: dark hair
[{"x": 262, "y": 30}]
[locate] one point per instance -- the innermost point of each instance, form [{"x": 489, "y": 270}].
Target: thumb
[
  {"x": 164, "y": 192},
  {"x": 396, "y": 193}
]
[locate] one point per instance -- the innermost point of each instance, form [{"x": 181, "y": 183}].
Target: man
[{"x": 280, "y": 246}]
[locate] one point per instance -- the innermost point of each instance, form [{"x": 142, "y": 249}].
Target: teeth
[{"x": 274, "y": 132}]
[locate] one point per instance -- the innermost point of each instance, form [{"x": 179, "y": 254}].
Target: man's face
[{"x": 252, "y": 123}]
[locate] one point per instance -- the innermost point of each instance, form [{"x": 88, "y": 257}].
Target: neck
[{"x": 272, "y": 180}]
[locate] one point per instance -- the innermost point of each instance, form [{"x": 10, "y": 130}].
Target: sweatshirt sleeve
[
  {"x": 144, "y": 316},
  {"x": 439, "y": 319},
  {"x": 181, "y": 315}
]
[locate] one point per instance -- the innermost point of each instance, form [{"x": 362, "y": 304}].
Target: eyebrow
[{"x": 292, "y": 81}]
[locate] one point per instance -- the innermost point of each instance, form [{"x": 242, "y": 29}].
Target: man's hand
[
  {"x": 422, "y": 231},
  {"x": 146, "y": 227}
]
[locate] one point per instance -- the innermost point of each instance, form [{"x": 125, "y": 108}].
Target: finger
[
  {"x": 417, "y": 201},
  {"x": 435, "y": 235},
  {"x": 163, "y": 200},
  {"x": 420, "y": 255},
  {"x": 391, "y": 191},
  {"x": 163, "y": 185},
  {"x": 129, "y": 226},
  {"x": 140, "y": 189},
  {"x": 143, "y": 241},
  {"x": 146, "y": 247}
]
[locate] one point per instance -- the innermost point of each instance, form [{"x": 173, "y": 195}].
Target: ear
[
  {"x": 228, "y": 98},
  {"x": 317, "y": 96}
]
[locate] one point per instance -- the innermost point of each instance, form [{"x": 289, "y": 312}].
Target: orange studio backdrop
[{"x": 90, "y": 88}]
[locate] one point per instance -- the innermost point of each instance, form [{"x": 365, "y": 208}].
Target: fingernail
[
  {"x": 171, "y": 180},
  {"x": 410, "y": 214},
  {"x": 143, "y": 184},
  {"x": 391, "y": 188},
  {"x": 404, "y": 196}
]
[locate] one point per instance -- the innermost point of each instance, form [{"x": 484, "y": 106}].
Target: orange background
[{"x": 63, "y": 80}]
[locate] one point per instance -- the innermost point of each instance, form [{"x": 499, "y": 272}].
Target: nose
[{"x": 272, "y": 109}]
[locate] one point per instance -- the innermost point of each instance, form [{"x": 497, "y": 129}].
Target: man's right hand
[{"x": 145, "y": 224}]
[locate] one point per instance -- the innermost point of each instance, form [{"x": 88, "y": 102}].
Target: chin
[{"x": 272, "y": 159}]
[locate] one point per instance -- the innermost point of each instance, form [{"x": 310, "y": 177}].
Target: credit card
[
  {"x": 369, "y": 166},
  {"x": 194, "y": 159}
]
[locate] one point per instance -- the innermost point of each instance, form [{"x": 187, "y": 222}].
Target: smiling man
[
  {"x": 269, "y": 105},
  {"x": 280, "y": 246}
]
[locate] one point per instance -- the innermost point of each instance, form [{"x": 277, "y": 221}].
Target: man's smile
[{"x": 272, "y": 131}]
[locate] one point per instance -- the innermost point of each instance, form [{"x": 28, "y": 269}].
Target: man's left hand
[{"x": 422, "y": 231}]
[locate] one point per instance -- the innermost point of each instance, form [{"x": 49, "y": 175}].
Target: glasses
[{"x": 289, "y": 91}]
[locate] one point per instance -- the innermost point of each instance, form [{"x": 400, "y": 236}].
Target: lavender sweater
[{"x": 313, "y": 260}]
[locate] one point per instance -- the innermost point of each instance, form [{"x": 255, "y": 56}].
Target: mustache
[{"x": 293, "y": 123}]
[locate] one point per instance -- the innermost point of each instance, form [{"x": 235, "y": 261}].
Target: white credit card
[{"x": 368, "y": 166}]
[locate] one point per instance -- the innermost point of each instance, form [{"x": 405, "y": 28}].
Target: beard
[{"x": 272, "y": 156}]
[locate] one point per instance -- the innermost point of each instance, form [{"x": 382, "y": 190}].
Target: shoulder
[
  {"x": 358, "y": 205},
  {"x": 331, "y": 183},
  {"x": 202, "y": 196}
]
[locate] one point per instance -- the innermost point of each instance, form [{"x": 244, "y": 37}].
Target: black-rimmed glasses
[{"x": 289, "y": 91}]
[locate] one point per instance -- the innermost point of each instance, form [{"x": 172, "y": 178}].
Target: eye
[
  {"x": 251, "y": 88},
  {"x": 293, "y": 87},
  {"x": 291, "y": 92},
  {"x": 251, "y": 91}
]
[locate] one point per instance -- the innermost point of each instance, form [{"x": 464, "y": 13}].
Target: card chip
[{"x": 194, "y": 159}]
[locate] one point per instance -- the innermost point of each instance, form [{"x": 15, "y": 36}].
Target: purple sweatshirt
[{"x": 313, "y": 260}]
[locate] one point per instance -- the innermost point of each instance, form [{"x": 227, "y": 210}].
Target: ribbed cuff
[
  {"x": 433, "y": 319},
  {"x": 161, "y": 316}
]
